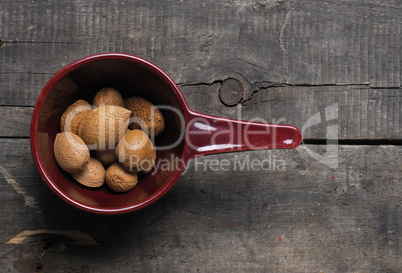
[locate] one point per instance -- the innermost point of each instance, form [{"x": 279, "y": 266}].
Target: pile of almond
[{"x": 108, "y": 141}]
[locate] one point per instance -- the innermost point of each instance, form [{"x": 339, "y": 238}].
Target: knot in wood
[{"x": 231, "y": 92}]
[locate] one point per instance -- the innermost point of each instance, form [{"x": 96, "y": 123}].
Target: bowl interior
[{"x": 131, "y": 78}]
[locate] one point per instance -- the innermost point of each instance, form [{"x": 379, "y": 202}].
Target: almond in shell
[
  {"x": 108, "y": 96},
  {"x": 119, "y": 180},
  {"x": 93, "y": 175},
  {"x": 135, "y": 152},
  {"x": 103, "y": 127},
  {"x": 71, "y": 119},
  {"x": 71, "y": 153},
  {"x": 145, "y": 116}
]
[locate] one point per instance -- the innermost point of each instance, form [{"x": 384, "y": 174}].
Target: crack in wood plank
[
  {"x": 5, "y": 42},
  {"x": 282, "y": 43}
]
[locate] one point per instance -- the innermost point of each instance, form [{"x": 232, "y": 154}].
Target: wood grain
[
  {"x": 295, "y": 42},
  {"x": 316, "y": 58},
  {"x": 304, "y": 217},
  {"x": 15, "y": 121},
  {"x": 359, "y": 112},
  {"x": 295, "y": 59}
]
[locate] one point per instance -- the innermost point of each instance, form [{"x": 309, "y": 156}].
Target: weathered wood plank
[
  {"x": 15, "y": 121},
  {"x": 21, "y": 89},
  {"x": 330, "y": 220},
  {"x": 297, "y": 47},
  {"x": 357, "y": 111},
  {"x": 295, "y": 42}
]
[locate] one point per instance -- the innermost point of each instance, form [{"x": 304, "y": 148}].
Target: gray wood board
[
  {"x": 358, "y": 111},
  {"x": 300, "y": 216},
  {"x": 294, "y": 42},
  {"x": 15, "y": 121},
  {"x": 295, "y": 59}
]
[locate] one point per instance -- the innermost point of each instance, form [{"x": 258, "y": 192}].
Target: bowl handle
[{"x": 210, "y": 135}]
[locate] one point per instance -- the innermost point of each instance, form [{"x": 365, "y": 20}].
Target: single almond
[
  {"x": 71, "y": 119},
  {"x": 93, "y": 175},
  {"x": 136, "y": 152},
  {"x": 70, "y": 152},
  {"x": 119, "y": 180},
  {"x": 108, "y": 96},
  {"x": 103, "y": 127},
  {"x": 145, "y": 116}
]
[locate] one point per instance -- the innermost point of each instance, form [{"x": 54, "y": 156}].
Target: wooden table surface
[{"x": 331, "y": 68}]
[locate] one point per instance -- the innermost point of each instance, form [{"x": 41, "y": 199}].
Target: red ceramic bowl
[{"x": 187, "y": 134}]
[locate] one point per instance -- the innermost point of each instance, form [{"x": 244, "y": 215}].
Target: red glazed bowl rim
[{"x": 34, "y": 132}]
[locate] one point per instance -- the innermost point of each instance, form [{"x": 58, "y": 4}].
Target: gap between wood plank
[
  {"x": 268, "y": 84},
  {"x": 345, "y": 142},
  {"x": 358, "y": 142},
  {"x": 38, "y": 42},
  {"x": 17, "y": 106}
]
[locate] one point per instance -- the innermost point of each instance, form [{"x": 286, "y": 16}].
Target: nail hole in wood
[{"x": 38, "y": 267}]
